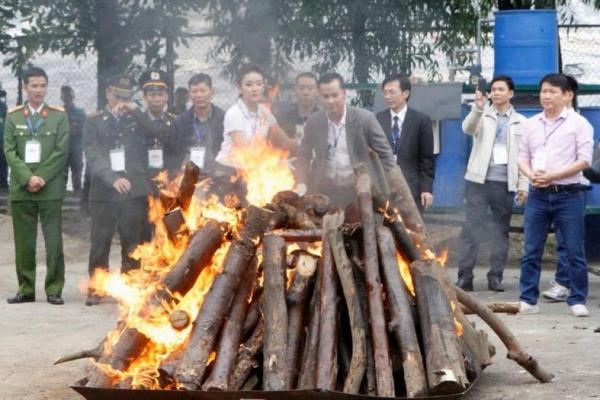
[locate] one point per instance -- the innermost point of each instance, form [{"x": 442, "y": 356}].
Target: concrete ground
[{"x": 33, "y": 335}]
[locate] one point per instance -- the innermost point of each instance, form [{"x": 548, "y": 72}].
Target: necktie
[{"x": 395, "y": 134}]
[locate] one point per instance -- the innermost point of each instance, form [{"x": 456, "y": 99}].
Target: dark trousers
[
  {"x": 25, "y": 225},
  {"x": 567, "y": 211},
  {"x": 128, "y": 217},
  {"x": 75, "y": 162},
  {"x": 3, "y": 170},
  {"x": 480, "y": 197}
]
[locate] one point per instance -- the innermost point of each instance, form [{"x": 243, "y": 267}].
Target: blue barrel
[
  {"x": 451, "y": 163},
  {"x": 525, "y": 45}
]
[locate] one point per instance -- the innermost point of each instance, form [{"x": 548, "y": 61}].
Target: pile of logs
[{"x": 342, "y": 320}]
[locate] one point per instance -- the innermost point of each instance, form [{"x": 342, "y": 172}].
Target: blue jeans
[
  {"x": 562, "y": 263},
  {"x": 567, "y": 211}
]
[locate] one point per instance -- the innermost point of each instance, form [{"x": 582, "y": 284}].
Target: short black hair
[
  {"x": 181, "y": 89},
  {"x": 66, "y": 88},
  {"x": 330, "y": 77},
  {"x": 557, "y": 80},
  {"x": 33, "y": 71},
  {"x": 309, "y": 75},
  {"x": 506, "y": 79},
  {"x": 248, "y": 69},
  {"x": 199, "y": 78},
  {"x": 573, "y": 85},
  {"x": 401, "y": 78}
]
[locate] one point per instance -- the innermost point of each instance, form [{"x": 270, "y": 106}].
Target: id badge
[
  {"x": 300, "y": 131},
  {"x": 117, "y": 160},
  {"x": 197, "y": 156},
  {"x": 500, "y": 153},
  {"x": 155, "y": 158},
  {"x": 33, "y": 151},
  {"x": 539, "y": 160}
]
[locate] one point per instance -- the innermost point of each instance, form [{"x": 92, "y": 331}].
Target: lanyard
[
  {"x": 200, "y": 133},
  {"x": 33, "y": 129},
  {"x": 547, "y": 135}
]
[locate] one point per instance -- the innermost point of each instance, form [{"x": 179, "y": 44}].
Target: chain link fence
[{"x": 580, "y": 51}]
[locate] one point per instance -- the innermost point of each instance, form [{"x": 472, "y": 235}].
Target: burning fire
[
  {"x": 265, "y": 172},
  {"x": 404, "y": 268},
  {"x": 264, "y": 169}
]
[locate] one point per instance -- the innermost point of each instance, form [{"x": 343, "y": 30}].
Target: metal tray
[{"x": 131, "y": 394}]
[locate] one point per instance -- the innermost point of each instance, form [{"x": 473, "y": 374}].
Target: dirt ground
[{"x": 33, "y": 335}]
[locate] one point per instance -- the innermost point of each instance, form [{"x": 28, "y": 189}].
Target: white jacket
[{"x": 481, "y": 124}]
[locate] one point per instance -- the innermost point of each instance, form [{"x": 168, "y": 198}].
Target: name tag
[
  {"x": 299, "y": 131},
  {"x": 155, "y": 158},
  {"x": 33, "y": 151},
  {"x": 198, "y": 155},
  {"x": 539, "y": 160},
  {"x": 500, "y": 154},
  {"x": 117, "y": 160}
]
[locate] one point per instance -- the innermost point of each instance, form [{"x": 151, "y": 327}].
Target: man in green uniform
[
  {"x": 119, "y": 184},
  {"x": 36, "y": 145}
]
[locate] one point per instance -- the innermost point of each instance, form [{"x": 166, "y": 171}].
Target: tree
[{"x": 126, "y": 35}]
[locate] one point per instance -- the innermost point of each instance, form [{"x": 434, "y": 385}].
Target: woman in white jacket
[{"x": 492, "y": 179}]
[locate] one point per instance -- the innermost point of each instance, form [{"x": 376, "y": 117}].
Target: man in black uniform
[{"x": 119, "y": 184}]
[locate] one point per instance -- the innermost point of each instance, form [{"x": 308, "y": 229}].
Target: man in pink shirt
[{"x": 555, "y": 148}]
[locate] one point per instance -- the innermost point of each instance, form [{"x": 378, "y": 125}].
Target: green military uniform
[
  {"x": 50, "y": 128},
  {"x": 110, "y": 210}
]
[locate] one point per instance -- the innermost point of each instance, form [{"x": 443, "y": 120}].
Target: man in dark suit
[
  {"x": 410, "y": 135},
  {"x": 335, "y": 140},
  {"x": 200, "y": 128}
]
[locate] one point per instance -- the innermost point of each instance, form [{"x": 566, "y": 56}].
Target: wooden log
[
  {"x": 95, "y": 353},
  {"x": 255, "y": 222},
  {"x": 179, "y": 319},
  {"x": 279, "y": 219},
  {"x": 470, "y": 345},
  {"x": 316, "y": 203},
  {"x": 500, "y": 308},
  {"x": 379, "y": 178},
  {"x": 327, "y": 366},
  {"x": 443, "y": 356},
  {"x": 297, "y": 218},
  {"x": 515, "y": 350},
  {"x": 304, "y": 266},
  {"x": 296, "y": 296},
  {"x": 383, "y": 366},
  {"x": 358, "y": 361},
  {"x": 275, "y": 314},
  {"x": 231, "y": 333},
  {"x": 254, "y": 314},
  {"x": 246, "y": 358},
  {"x": 203, "y": 244},
  {"x": 404, "y": 242},
  {"x": 401, "y": 324},
  {"x": 191, "y": 172},
  {"x": 298, "y": 235},
  {"x": 307, "y": 378},
  {"x": 216, "y": 303},
  {"x": 286, "y": 197}
]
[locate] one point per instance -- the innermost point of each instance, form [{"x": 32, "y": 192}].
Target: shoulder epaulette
[
  {"x": 56, "y": 108},
  {"x": 17, "y": 108}
]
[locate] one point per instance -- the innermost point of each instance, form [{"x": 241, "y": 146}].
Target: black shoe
[
  {"x": 55, "y": 299},
  {"x": 495, "y": 285},
  {"x": 92, "y": 300},
  {"x": 21, "y": 298},
  {"x": 465, "y": 284}
]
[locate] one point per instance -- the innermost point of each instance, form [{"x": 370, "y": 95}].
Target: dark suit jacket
[
  {"x": 362, "y": 132},
  {"x": 415, "y": 149},
  {"x": 184, "y": 125}
]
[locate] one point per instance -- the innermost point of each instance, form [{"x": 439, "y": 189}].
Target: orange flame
[
  {"x": 265, "y": 170},
  {"x": 404, "y": 268},
  {"x": 457, "y": 325}
]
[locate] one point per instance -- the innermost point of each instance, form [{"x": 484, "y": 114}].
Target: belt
[{"x": 575, "y": 187}]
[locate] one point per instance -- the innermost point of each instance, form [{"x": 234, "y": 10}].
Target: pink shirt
[{"x": 566, "y": 139}]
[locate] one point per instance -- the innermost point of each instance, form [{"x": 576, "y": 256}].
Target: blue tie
[{"x": 395, "y": 134}]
